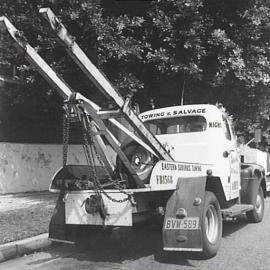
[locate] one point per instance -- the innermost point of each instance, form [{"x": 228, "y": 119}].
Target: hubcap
[
  {"x": 258, "y": 205},
  {"x": 211, "y": 224}
]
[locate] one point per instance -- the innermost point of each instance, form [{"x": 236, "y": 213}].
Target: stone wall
[{"x": 30, "y": 167}]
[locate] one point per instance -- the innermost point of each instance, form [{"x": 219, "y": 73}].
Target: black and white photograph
[{"x": 134, "y": 134}]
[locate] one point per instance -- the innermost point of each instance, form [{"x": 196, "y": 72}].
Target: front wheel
[
  {"x": 256, "y": 215},
  {"x": 211, "y": 225}
]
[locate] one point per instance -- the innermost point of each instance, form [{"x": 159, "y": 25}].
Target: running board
[{"x": 236, "y": 210}]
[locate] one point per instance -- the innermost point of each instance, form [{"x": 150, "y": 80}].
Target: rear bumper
[{"x": 118, "y": 213}]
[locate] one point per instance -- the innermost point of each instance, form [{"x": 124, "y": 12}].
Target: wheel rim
[
  {"x": 258, "y": 205},
  {"x": 211, "y": 224},
  {"x": 141, "y": 160}
]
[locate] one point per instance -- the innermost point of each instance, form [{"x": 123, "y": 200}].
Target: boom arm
[
  {"x": 33, "y": 57},
  {"x": 147, "y": 140},
  {"x": 102, "y": 83},
  {"x": 66, "y": 92}
]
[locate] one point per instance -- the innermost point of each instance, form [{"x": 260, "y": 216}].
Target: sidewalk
[
  {"x": 25, "y": 215},
  {"x": 24, "y": 222},
  {"x": 26, "y": 199}
]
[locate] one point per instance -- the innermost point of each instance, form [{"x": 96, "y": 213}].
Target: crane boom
[
  {"x": 102, "y": 83},
  {"x": 67, "y": 92},
  {"x": 97, "y": 116}
]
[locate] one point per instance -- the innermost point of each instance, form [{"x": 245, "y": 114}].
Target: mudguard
[
  {"x": 57, "y": 223},
  {"x": 58, "y": 230},
  {"x": 252, "y": 176},
  {"x": 184, "y": 209}
]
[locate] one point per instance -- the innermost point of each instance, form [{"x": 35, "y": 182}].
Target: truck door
[{"x": 233, "y": 160}]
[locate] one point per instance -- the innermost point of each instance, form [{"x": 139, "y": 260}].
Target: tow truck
[{"x": 181, "y": 162}]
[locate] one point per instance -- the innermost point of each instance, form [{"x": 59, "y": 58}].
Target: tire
[
  {"x": 141, "y": 161},
  {"x": 211, "y": 226},
  {"x": 256, "y": 215}
]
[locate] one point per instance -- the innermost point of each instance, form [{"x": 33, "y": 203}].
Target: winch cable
[
  {"x": 66, "y": 127},
  {"x": 95, "y": 202},
  {"x": 65, "y": 138},
  {"x": 87, "y": 143},
  {"x": 90, "y": 153}
]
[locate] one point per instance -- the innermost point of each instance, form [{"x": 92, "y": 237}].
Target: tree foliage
[{"x": 213, "y": 50}]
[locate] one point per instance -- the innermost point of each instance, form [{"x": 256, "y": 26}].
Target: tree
[{"x": 216, "y": 51}]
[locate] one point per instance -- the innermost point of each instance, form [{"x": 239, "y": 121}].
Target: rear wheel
[
  {"x": 211, "y": 225},
  {"x": 256, "y": 215}
]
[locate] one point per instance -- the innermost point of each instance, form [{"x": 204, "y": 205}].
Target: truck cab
[
  {"x": 201, "y": 135},
  {"x": 182, "y": 159}
]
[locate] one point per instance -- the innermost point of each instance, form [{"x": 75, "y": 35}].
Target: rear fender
[
  {"x": 187, "y": 198},
  {"x": 58, "y": 231},
  {"x": 214, "y": 185},
  {"x": 252, "y": 177}
]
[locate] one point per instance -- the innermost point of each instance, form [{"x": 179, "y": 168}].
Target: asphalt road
[{"x": 244, "y": 246}]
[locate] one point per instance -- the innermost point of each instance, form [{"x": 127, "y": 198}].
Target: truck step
[{"x": 236, "y": 210}]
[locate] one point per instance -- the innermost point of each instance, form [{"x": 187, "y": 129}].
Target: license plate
[{"x": 190, "y": 223}]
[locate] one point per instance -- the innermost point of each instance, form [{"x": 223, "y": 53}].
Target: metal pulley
[{"x": 95, "y": 204}]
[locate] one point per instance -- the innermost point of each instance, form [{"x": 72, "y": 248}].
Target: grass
[{"x": 25, "y": 222}]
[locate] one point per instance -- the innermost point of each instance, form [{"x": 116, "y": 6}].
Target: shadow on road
[
  {"x": 131, "y": 244},
  {"x": 122, "y": 244},
  {"x": 230, "y": 227}
]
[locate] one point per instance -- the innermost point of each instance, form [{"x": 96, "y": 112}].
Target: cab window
[{"x": 183, "y": 124}]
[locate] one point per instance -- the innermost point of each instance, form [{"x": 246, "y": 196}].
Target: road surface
[{"x": 244, "y": 246}]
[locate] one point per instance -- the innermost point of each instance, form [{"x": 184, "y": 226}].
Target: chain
[
  {"x": 66, "y": 127},
  {"x": 88, "y": 142}
]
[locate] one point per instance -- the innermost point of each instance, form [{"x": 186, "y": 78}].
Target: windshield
[{"x": 183, "y": 124}]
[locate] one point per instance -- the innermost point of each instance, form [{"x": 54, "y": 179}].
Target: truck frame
[{"x": 180, "y": 163}]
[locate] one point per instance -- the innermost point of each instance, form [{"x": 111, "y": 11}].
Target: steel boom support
[
  {"x": 66, "y": 92},
  {"x": 102, "y": 83},
  {"x": 146, "y": 139}
]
